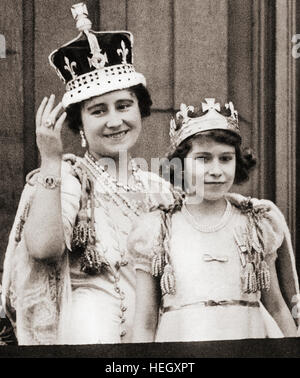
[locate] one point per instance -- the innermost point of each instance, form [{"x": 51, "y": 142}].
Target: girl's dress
[
  {"x": 210, "y": 276},
  {"x": 89, "y": 295}
]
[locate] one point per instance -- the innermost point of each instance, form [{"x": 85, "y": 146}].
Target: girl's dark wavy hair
[
  {"x": 144, "y": 100},
  {"x": 245, "y": 160}
]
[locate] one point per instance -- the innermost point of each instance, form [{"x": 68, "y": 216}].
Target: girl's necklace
[{"x": 208, "y": 227}]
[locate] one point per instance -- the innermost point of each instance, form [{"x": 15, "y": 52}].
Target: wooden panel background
[
  {"x": 298, "y": 142},
  {"x": 187, "y": 50},
  {"x": 11, "y": 119}
]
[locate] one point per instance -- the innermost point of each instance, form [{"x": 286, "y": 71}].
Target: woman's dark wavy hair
[
  {"x": 141, "y": 92},
  {"x": 245, "y": 160}
]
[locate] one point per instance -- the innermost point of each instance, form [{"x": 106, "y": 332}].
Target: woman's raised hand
[{"x": 48, "y": 129}]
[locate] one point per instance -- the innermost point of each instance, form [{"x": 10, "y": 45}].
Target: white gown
[
  {"x": 207, "y": 266},
  {"x": 60, "y": 304}
]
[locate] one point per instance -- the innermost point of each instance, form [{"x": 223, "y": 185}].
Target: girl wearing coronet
[
  {"x": 68, "y": 276},
  {"x": 208, "y": 267}
]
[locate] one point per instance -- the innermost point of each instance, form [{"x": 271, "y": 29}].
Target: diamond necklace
[{"x": 111, "y": 187}]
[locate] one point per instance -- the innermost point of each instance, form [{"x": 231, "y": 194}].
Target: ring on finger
[{"x": 49, "y": 122}]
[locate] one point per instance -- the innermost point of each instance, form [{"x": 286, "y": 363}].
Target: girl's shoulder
[
  {"x": 265, "y": 215},
  {"x": 161, "y": 193},
  {"x": 263, "y": 208}
]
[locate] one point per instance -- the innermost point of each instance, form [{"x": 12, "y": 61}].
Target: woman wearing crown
[
  {"x": 68, "y": 276},
  {"x": 208, "y": 264}
]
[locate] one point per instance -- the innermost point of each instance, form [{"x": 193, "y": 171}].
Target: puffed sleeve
[
  {"x": 272, "y": 223},
  {"x": 278, "y": 244},
  {"x": 70, "y": 200},
  {"x": 274, "y": 227},
  {"x": 144, "y": 240}
]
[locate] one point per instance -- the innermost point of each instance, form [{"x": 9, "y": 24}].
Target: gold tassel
[
  {"x": 157, "y": 264},
  {"x": 250, "y": 282},
  {"x": 92, "y": 261},
  {"x": 158, "y": 260},
  {"x": 82, "y": 232},
  {"x": 167, "y": 282},
  {"x": 264, "y": 276},
  {"x": 91, "y": 235},
  {"x": 258, "y": 280}
]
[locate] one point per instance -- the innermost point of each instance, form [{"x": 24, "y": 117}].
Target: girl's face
[
  {"x": 215, "y": 163},
  {"x": 111, "y": 123}
]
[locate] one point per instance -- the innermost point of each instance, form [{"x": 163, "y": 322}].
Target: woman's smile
[
  {"x": 214, "y": 183},
  {"x": 117, "y": 135},
  {"x": 111, "y": 123}
]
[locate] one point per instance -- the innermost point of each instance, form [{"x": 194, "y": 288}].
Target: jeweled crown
[
  {"x": 188, "y": 122},
  {"x": 94, "y": 63}
]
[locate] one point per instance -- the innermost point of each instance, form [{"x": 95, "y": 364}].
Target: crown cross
[
  {"x": 210, "y": 105},
  {"x": 70, "y": 67},
  {"x": 79, "y": 10},
  {"x": 80, "y": 15},
  {"x": 124, "y": 52}
]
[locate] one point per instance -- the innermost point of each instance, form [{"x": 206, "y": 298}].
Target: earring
[{"x": 83, "y": 139}]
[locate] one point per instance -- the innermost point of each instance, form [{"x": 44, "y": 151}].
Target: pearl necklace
[
  {"x": 205, "y": 227},
  {"x": 113, "y": 189}
]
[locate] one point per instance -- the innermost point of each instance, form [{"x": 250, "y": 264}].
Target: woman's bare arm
[{"x": 43, "y": 230}]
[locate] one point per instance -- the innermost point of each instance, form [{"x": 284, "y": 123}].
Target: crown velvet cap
[
  {"x": 188, "y": 125},
  {"x": 94, "y": 63}
]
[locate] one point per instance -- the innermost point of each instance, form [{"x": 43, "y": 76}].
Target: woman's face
[
  {"x": 111, "y": 123},
  {"x": 213, "y": 165}
]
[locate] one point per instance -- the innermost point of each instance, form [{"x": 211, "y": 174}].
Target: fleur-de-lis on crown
[
  {"x": 234, "y": 113},
  {"x": 210, "y": 105},
  {"x": 183, "y": 113},
  {"x": 211, "y": 120},
  {"x": 124, "y": 52},
  {"x": 70, "y": 67}
]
